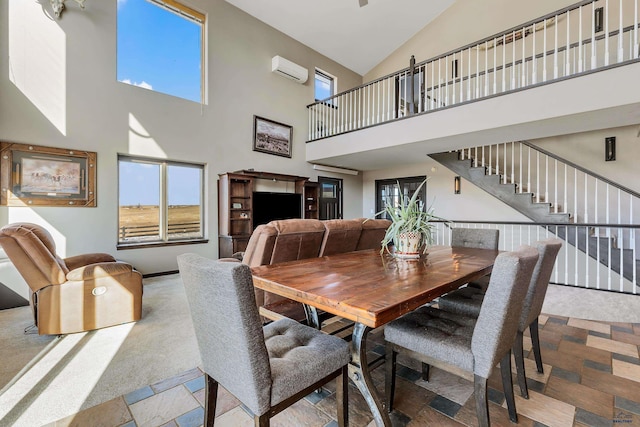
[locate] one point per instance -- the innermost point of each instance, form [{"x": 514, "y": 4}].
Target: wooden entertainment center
[{"x": 236, "y": 205}]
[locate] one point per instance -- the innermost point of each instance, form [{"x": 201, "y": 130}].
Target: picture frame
[
  {"x": 272, "y": 137},
  {"x": 32, "y": 175}
]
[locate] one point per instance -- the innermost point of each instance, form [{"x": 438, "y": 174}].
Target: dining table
[{"x": 372, "y": 288}]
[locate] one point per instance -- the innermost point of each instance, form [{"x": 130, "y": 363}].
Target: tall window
[
  {"x": 160, "y": 201},
  {"x": 324, "y": 85},
  {"x": 160, "y": 46}
]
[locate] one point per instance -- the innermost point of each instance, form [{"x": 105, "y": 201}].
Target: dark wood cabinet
[
  {"x": 235, "y": 213},
  {"x": 311, "y": 200},
  {"x": 235, "y": 206}
]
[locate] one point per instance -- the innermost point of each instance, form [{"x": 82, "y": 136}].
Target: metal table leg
[
  {"x": 360, "y": 375},
  {"x": 312, "y": 316}
]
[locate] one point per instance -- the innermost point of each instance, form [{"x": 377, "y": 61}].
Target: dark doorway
[
  {"x": 330, "y": 197},
  {"x": 387, "y": 191}
]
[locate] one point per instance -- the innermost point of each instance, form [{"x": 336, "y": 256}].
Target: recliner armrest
[
  {"x": 86, "y": 259},
  {"x": 98, "y": 270}
]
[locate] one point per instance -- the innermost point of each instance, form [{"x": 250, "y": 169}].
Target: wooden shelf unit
[
  {"x": 235, "y": 206},
  {"x": 235, "y": 213},
  {"x": 310, "y": 201}
]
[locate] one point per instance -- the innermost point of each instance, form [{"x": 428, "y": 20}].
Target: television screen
[{"x": 269, "y": 206}]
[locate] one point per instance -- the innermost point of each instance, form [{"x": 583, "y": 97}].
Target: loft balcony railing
[{"x": 586, "y": 37}]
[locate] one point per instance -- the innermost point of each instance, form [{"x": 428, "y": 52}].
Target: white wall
[
  {"x": 471, "y": 204},
  {"x": 58, "y": 86},
  {"x": 586, "y": 149}
]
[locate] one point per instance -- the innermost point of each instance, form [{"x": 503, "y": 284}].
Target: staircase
[
  {"x": 494, "y": 184},
  {"x": 615, "y": 248}
]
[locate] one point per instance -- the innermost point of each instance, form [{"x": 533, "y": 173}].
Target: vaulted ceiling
[{"x": 358, "y": 37}]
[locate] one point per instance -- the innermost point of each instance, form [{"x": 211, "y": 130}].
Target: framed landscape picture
[
  {"x": 46, "y": 176},
  {"x": 272, "y": 137}
]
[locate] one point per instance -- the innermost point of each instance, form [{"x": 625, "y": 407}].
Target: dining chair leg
[
  {"x": 518, "y": 353},
  {"x": 390, "y": 376},
  {"x": 535, "y": 342},
  {"x": 262, "y": 420},
  {"x": 482, "y": 403},
  {"x": 425, "y": 371},
  {"x": 210, "y": 396},
  {"x": 342, "y": 397},
  {"x": 507, "y": 386}
]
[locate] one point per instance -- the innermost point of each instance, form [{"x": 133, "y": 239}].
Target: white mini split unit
[{"x": 288, "y": 69}]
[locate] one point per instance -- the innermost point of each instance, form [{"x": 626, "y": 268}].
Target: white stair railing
[
  {"x": 565, "y": 43},
  {"x": 578, "y": 264},
  {"x": 568, "y": 188},
  {"x": 599, "y": 209}
]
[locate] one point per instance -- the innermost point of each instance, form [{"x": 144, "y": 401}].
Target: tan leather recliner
[
  {"x": 340, "y": 236},
  {"x": 74, "y": 294}
]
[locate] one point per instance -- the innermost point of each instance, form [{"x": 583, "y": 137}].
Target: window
[
  {"x": 159, "y": 201},
  {"x": 160, "y": 46},
  {"x": 324, "y": 85},
  {"x": 387, "y": 191}
]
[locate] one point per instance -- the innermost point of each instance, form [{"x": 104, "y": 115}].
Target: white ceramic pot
[{"x": 408, "y": 245}]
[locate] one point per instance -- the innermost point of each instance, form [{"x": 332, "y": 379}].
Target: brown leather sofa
[
  {"x": 75, "y": 294},
  {"x": 294, "y": 239}
]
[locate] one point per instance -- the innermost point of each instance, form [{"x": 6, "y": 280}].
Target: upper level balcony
[{"x": 573, "y": 70}]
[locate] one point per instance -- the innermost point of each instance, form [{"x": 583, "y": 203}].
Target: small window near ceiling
[
  {"x": 160, "y": 46},
  {"x": 160, "y": 201},
  {"x": 324, "y": 85}
]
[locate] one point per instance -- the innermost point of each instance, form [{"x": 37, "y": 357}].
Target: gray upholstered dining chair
[
  {"x": 468, "y": 301},
  {"x": 267, "y": 368},
  {"x": 467, "y": 346},
  {"x": 481, "y": 238}
]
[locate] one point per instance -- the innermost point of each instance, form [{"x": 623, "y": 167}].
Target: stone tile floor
[{"x": 591, "y": 378}]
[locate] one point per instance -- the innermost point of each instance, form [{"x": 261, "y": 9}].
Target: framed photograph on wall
[
  {"x": 272, "y": 137},
  {"x": 45, "y": 176}
]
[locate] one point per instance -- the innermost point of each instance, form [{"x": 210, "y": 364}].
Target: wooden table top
[{"x": 370, "y": 288}]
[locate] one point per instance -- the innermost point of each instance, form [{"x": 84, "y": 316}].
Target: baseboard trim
[{"x": 161, "y": 273}]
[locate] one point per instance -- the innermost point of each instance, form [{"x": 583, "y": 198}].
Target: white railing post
[
  {"x": 594, "y": 62},
  {"x": 620, "y": 36},
  {"x": 636, "y": 47},
  {"x": 606, "y": 33}
]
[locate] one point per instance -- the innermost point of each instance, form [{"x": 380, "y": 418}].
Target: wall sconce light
[
  {"x": 610, "y": 148},
  {"x": 58, "y": 6},
  {"x": 456, "y": 185}
]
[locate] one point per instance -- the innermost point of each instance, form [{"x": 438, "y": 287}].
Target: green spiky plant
[{"x": 409, "y": 216}]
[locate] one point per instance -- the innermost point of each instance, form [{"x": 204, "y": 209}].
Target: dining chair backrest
[
  {"x": 228, "y": 328},
  {"x": 480, "y": 238},
  {"x": 547, "y": 251},
  {"x": 497, "y": 323}
]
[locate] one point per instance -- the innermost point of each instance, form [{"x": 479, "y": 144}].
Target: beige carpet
[
  {"x": 81, "y": 370},
  {"x": 78, "y": 371}
]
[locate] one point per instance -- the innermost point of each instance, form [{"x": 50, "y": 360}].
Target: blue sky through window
[
  {"x": 158, "y": 49},
  {"x": 140, "y": 184}
]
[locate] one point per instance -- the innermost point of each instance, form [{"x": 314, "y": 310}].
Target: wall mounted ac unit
[{"x": 288, "y": 69}]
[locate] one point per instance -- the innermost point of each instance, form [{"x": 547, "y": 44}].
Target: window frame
[
  {"x": 333, "y": 84},
  {"x": 404, "y": 183},
  {"x": 199, "y": 18},
  {"x": 163, "y": 205}
]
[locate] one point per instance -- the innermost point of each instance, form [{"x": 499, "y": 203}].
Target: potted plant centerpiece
[{"x": 411, "y": 225}]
